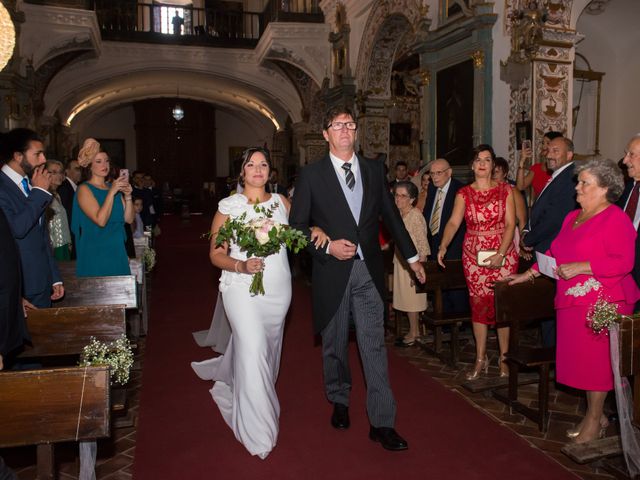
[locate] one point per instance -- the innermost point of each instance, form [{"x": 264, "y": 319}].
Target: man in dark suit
[
  {"x": 274, "y": 184},
  {"x": 445, "y": 187},
  {"x": 73, "y": 173},
  {"x": 67, "y": 190},
  {"x": 629, "y": 199},
  {"x": 345, "y": 195},
  {"x": 555, "y": 201},
  {"x": 441, "y": 195},
  {"x": 24, "y": 204},
  {"x": 13, "y": 329}
]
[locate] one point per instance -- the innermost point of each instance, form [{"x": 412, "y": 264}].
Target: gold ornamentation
[
  {"x": 478, "y": 58},
  {"x": 7, "y": 37},
  {"x": 423, "y": 8},
  {"x": 425, "y": 77}
]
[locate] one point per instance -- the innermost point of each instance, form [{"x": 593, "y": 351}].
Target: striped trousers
[{"x": 362, "y": 303}]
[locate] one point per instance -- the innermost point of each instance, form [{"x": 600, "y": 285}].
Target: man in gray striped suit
[{"x": 345, "y": 195}]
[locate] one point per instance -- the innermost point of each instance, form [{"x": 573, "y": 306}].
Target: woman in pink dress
[
  {"x": 488, "y": 208},
  {"x": 594, "y": 254}
]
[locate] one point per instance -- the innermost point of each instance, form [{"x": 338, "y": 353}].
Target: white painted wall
[
  {"x": 231, "y": 131},
  {"x": 500, "y": 90},
  {"x": 616, "y": 56},
  {"x": 117, "y": 124}
]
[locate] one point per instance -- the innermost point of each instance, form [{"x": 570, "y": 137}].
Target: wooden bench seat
[
  {"x": 66, "y": 330},
  {"x": 91, "y": 291},
  {"x": 520, "y": 307},
  {"x": 439, "y": 280},
  {"x": 43, "y": 407},
  {"x": 528, "y": 356}
]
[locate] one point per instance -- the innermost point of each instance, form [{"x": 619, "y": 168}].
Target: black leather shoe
[
  {"x": 340, "y": 417},
  {"x": 388, "y": 437}
]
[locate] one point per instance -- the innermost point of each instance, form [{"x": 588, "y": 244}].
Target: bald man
[{"x": 441, "y": 195}]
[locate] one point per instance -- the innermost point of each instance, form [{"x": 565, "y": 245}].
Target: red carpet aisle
[{"x": 181, "y": 434}]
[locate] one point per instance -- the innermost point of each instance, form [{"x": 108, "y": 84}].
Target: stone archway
[{"x": 390, "y": 30}]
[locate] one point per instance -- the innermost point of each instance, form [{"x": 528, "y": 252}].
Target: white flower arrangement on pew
[
  {"x": 149, "y": 259},
  {"x": 117, "y": 355}
]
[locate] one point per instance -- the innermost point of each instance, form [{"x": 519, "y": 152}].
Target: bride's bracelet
[{"x": 235, "y": 267}]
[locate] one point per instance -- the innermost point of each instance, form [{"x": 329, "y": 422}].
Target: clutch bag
[{"x": 483, "y": 255}]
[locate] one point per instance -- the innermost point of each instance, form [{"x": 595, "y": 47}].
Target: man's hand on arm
[
  {"x": 58, "y": 291},
  {"x": 341, "y": 249}
]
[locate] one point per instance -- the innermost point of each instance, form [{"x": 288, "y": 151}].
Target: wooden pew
[
  {"x": 109, "y": 291},
  {"x": 90, "y": 291},
  {"x": 65, "y": 331},
  {"x": 439, "y": 280},
  {"x": 43, "y": 407},
  {"x": 519, "y": 307},
  {"x": 630, "y": 358}
]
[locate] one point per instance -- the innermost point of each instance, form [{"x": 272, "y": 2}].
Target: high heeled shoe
[
  {"x": 504, "y": 368},
  {"x": 601, "y": 433},
  {"x": 604, "y": 424},
  {"x": 480, "y": 367}
]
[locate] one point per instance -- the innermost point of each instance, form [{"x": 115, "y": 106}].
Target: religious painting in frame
[
  {"x": 523, "y": 132},
  {"x": 115, "y": 148},
  {"x": 454, "y": 113},
  {"x": 452, "y": 8}
]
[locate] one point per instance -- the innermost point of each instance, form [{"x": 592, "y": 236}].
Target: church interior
[{"x": 178, "y": 89}]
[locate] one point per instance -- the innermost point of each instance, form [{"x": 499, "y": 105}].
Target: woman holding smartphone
[{"x": 100, "y": 209}]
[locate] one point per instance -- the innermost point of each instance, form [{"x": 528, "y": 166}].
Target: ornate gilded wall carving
[
  {"x": 550, "y": 65},
  {"x": 391, "y": 29},
  {"x": 388, "y": 23}
]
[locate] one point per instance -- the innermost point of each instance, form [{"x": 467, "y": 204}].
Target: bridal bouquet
[{"x": 260, "y": 237}]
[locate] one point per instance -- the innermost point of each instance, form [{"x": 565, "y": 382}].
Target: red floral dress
[{"x": 485, "y": 214}]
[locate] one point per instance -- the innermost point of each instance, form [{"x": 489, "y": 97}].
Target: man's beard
[{"x": 27, "y": 168}]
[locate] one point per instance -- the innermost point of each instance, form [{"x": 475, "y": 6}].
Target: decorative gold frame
[{"x": 591, "y": 76}]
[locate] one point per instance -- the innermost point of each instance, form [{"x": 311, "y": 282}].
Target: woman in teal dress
[{"x": 100, "y": 209}]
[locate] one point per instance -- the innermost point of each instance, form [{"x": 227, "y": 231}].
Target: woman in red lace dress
[{"x": 488, "y": 208}]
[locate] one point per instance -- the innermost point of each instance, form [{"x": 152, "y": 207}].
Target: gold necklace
[{"x": 583, "y": 217}]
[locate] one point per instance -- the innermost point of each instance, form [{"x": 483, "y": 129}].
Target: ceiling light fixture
[{"x": 177, "y": 112}]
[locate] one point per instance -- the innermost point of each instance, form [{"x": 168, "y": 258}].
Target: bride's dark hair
[{"x": 246, "y": 156}]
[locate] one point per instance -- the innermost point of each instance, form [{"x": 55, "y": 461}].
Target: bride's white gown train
[{"x": 245, "y": 375}]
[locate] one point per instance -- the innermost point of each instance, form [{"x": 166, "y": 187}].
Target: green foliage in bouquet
[
  {"x": 260, "y": 237},
  {"x": 117, "y": 355}
]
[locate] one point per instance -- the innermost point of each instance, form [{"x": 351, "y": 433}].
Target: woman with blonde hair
[{"x": 100, "y": 209}]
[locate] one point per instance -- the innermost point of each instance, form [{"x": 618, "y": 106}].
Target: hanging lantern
[{"x": 177, "y": 112}]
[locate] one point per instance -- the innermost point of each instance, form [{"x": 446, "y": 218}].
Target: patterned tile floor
[{"x": 115, "y": 455}]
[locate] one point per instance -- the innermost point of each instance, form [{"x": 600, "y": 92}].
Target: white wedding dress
[{"x": 246, "y": 374}]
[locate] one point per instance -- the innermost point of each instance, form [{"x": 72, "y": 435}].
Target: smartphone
[
  {"x": 124, "y": 173},
  {"x": 526, "y": 144}
]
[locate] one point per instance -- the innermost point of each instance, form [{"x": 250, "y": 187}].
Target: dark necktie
[
  {"x": 27, "y": 189},
  {"x": 632, "y": 204},
  {"x": 349, "y": 177}
]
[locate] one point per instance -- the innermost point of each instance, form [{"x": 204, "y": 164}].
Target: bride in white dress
[{"x": 245, "y": 375}]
